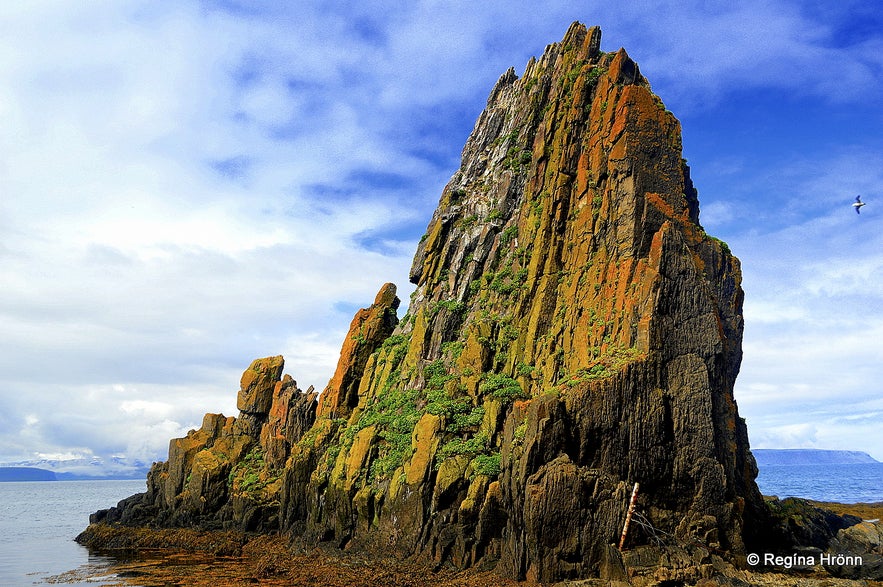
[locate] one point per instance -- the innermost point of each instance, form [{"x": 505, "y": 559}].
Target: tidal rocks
[{"x": 857, "y": 552}]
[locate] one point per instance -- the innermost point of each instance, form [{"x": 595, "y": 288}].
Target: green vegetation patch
[
  {"x": 396, "y": 409},
  {"x": 251, "y": 474},
  {"x": 472, "y": 447},
  {"x": 452, "y": 306},
  {"x": 394, "y": 412},
  {"x": 395, "y": 347},
  {"x": 607, "y": 365},
  {"x": 459, "y": 412},
  {"x": 506, "y": 281},
  {"x": 508, "y": 234},
  {"x": 502, "y": 387},
  {"x": 724, "y": 246},
  {"x": 495, "y": 215},
  {"x": 487, "y": 464}
]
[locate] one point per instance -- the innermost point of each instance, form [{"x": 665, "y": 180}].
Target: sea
[
  {"x": 39, "y": 520},
  {"x": 843, "y": 483}
]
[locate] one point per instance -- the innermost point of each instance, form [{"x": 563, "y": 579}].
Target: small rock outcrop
[
  {"x": 228, "y": 473},
  {"x": 369, "y": 328},
  {"x": 860, "y": 542},
  {"x": 573, "y": 331}
]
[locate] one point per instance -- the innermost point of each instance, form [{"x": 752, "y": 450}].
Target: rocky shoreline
[
  {"x": 232, "y": 558},
  {"x": 164, "y": 556}
]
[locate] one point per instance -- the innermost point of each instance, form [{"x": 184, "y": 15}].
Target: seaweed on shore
[{"x": 103, "y": 537}]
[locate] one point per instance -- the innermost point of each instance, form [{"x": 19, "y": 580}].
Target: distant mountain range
[
  {"x": 26, "y": 474},
  {"x": 75, "y": 469},
  {"x": 809, "y": 456},
  {"x": 116, "y": 468}
]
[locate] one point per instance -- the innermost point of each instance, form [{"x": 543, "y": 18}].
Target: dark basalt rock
[{"x": 573, "y": 331}]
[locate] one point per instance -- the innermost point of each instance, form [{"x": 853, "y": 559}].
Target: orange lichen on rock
[
  {"x": 369, "y": 328},
  {"x": 573, "y": 331}
]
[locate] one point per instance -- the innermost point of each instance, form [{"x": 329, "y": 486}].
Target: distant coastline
[
  {"x": 13, "y": 474},
  {"x": 765, "y": 457},
  {"x": 809, "y": 456},
  {"x": 26, "y": 474}
]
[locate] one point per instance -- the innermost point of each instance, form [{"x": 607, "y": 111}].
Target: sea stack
[{"x": 573, "y": 331}]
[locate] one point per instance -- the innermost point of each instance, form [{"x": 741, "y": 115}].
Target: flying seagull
[{"x": 858, "y": 204}]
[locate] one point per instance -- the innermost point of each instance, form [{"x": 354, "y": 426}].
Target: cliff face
[{"x": 573, "y": 331}]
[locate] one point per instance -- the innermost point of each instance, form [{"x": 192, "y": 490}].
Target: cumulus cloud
[
  {"x": 158, "y": 226},
  {"x": 813, "y": 297}
]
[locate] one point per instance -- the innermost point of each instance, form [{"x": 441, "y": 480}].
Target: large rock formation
[{"x": 573, "y": 332}]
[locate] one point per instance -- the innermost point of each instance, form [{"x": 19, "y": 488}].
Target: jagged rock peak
[
  {"x": 256, "y": 386},
  {"x": 369, "y": 328},
  {"x": 573, "y": 331}
]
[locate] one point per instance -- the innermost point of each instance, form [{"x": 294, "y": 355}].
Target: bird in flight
[{"x": 858, "y": 204}]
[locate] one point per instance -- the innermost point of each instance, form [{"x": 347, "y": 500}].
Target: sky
[{"x": 186, "y": 186}]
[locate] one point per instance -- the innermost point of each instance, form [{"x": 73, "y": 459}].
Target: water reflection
[{"x": 136, "y": 568}]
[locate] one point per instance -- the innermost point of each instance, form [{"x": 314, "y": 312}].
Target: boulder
[{"x": 857, "y": 552}]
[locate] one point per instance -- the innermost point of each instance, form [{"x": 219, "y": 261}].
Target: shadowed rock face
[{"x": 573, "y": 331}]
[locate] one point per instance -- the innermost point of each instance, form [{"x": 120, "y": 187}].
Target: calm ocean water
[
  {"x": 39, "y": 520},
  {"x": 38, "y": 523},
  {"x": 853, "y": 483}
]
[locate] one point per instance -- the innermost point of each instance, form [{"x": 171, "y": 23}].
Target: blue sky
[{"x": 187, "y": 186}]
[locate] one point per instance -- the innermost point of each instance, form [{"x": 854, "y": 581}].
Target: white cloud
[
  {"x": 811, "y": 370},
  {"x": 698, "y": 52},
  {"x": 716, "y": 213},
  {"x": 788, "y": 436},
  {"x": 146, "y": 408},
  {"x": 60, "y": 456},
  {"x": 129, "y": 258},
  {"x": 188, "y": 187}
]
